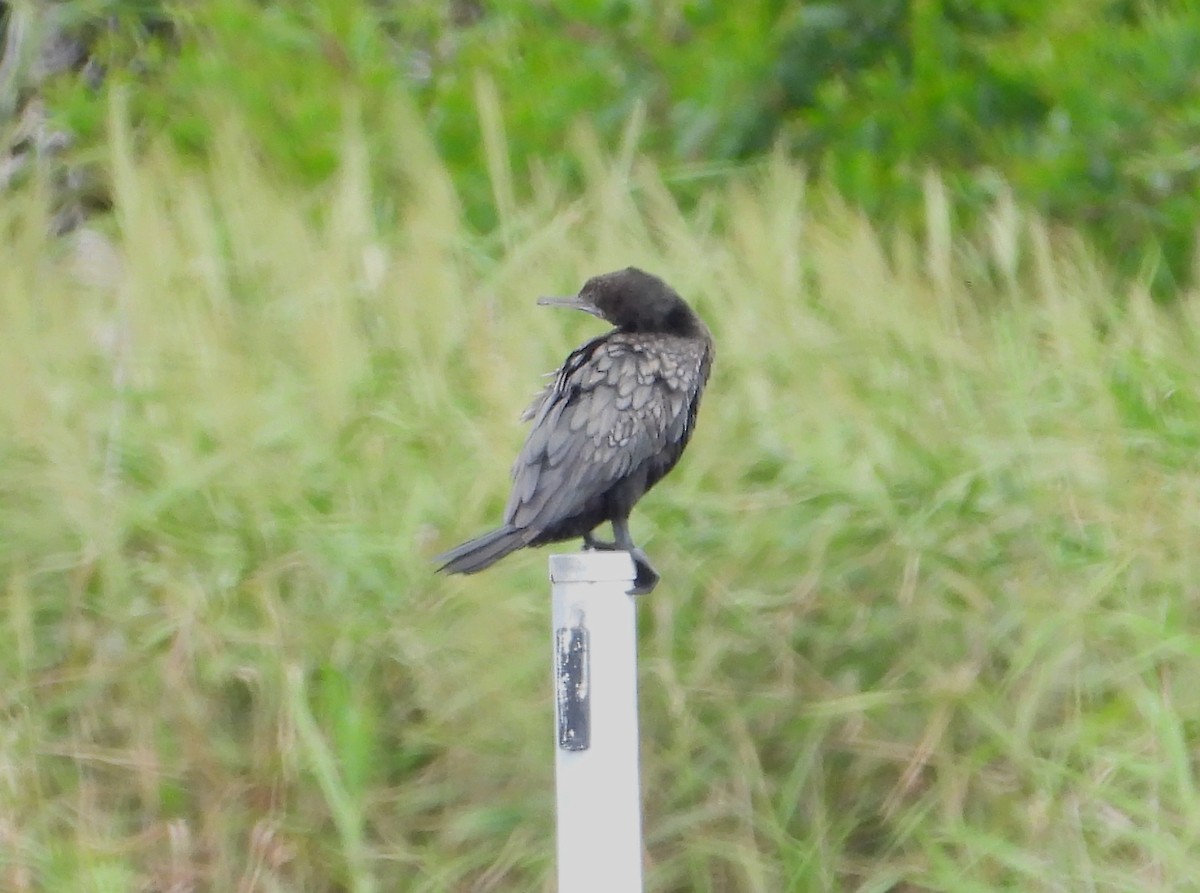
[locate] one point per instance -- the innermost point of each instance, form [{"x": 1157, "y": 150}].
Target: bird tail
[{"x": 483, "y": 551}]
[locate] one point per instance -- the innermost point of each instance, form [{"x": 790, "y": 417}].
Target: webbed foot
[{"x": 646, "y": 577}]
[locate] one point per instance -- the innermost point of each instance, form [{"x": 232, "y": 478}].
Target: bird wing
[{"x": 617, "y": 402}]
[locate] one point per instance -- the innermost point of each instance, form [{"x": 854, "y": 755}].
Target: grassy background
[{"x": 929, "y": 611}]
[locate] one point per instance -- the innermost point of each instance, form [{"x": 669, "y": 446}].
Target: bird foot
[{"x": 645, "y": 576}]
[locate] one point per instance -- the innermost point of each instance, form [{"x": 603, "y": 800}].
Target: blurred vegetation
[
  {"x": 929, "y": 613},
  {"x": 929, "y": 616},
  {"x": 1089, "y": 111}
]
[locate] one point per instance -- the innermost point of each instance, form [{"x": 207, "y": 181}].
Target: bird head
[{"x": 633, "y": 301}]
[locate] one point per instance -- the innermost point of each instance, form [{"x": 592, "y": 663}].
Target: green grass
[{"x": 929, "y": 616}]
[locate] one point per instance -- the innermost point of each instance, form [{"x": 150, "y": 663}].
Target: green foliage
[
  {"x": 928, "y": 618},
  {"x": 1088, "y": 110},
  {"x": 291, "y": 73}
]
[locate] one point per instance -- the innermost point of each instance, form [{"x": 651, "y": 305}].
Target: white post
[{"x": 596, "y": 723}]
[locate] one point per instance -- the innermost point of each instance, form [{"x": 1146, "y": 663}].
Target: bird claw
[{"x": 645, "y": 577}]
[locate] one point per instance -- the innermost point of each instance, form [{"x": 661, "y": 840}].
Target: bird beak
[{"x": 574, "y": 302}]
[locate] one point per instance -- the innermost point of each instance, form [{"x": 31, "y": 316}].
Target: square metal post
[{"x": 599, "y": 816}]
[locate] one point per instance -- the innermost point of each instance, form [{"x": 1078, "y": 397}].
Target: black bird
[{"x": 614, "y": 421}]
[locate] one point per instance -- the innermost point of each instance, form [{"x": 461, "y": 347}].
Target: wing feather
[{"x": 612, "y": 407}]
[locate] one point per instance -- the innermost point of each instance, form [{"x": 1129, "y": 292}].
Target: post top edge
[{"x": 592, "y": 567}]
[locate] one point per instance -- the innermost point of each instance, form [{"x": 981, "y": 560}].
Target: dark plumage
[{"x": 614, "y": 421}]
